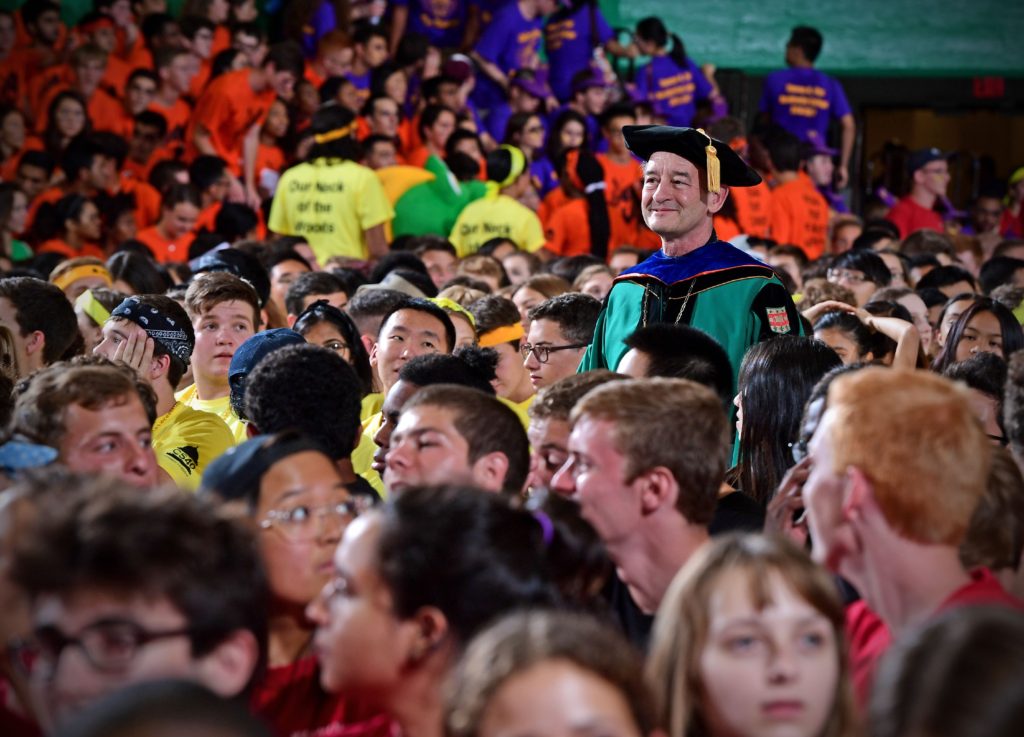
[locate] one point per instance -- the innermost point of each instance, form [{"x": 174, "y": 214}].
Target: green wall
[{"x": 862, "y": 37}]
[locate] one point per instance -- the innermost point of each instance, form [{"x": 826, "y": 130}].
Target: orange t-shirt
[
  {"x": 208, "y": 218},
  {"x": 42, "y": 88},
  {"x": 553, "y": 200},
  {"x": 115, "y": 77},
  {"x": 177, "y": 116},
  {"x": 9, "y": 169},
  {"x": 754, "y": 210},
  {"x": 198, "y": 83},
  {"x": 147, "y": 201},
  {"x": 109, "y": 115},
  {"x": 567, "y": 230},
  {"x": 800, "y": 215},
  {"x": 12, "y": 81},
  {"x": 228, "y": 110},
  {"x": 623, "y": 201},
  {"x": 726, "y": 228},
  {"x": 418, "y": 157},
  {"x": 221, "y": 40},
  {"x": 58, "y": 245},
  {"x": 164, "y": 249},
  {"x": 51, "y": 195},
  {"x": 269, "y": 157}
]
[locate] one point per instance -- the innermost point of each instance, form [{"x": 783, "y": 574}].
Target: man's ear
[
  {"x": 371, "y": 349},
  {"x": 716, "y": 200},
  {"x": 658, "y": 489},
  {"x": 159, "y": 367},
  {"x": 489, "y": 471},
  {"x": 859, "y": 492},
  {"x": 35, "y": 342},
  {"x": 228, "y": 668}
]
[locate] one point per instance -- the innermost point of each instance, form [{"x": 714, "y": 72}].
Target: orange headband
[
  {"x": 335, "y": 134},
  {"x": 504, "y": 334}
]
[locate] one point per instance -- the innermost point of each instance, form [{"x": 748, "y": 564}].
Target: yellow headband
[
  {"x": 91, "y": 306},
  {"x": 518, "y": 166},
  {"x": 504, "y": 334},
  {"x": 335, "y": 134},
  {"x": 449, "y": 305},
  {"x": 81, "y": 272}
]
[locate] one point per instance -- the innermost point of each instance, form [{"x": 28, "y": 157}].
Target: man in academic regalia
[{"x": 695, "y": 279}]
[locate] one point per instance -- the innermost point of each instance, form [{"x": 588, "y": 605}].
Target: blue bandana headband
[{"x": 158, "y": 326}]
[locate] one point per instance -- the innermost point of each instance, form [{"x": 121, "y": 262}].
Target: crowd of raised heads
[{"x": 344, "y": 390}]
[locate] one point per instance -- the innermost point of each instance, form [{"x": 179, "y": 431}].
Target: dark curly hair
[{"x": 310, "y": 389}]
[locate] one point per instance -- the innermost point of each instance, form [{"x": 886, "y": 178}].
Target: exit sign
[{"x": 989, "y": 88}]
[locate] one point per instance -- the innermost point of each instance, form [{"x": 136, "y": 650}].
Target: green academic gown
[{"x": 718, "y": 288}]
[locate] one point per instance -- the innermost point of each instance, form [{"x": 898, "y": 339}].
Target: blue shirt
[{"x": 803, "y": 101}]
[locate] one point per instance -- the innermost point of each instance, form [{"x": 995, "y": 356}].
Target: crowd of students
[{"x": 345, "y": 389}]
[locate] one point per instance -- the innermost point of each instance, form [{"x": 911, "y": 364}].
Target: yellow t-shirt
[
  {"x": 372, "y": 404},
  {"x": 362, "y": 456},
  {"x": 330, "y": 203},
  {"x": 220, "y": 407},
  {"x": 186, "y": 440},
  {"x": 501, "y": 217},
  {"x": 521, "y": 409}
]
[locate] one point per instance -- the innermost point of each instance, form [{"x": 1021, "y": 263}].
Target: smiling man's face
[{"x": 673, "y": 200}]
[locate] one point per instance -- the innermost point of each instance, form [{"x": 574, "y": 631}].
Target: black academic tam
[{"x": 692, "y": 144}]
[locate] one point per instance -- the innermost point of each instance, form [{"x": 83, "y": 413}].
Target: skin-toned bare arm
[
  {"x": 849, "y": 132},
  {"x": 250, "y": 147},
  {"x": 376, "y": 241},
  {"x": 399, "y": 19}
]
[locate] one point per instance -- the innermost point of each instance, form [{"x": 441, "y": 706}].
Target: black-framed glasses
[
  {"x": 850, "y": 275},
  {"x": 304, "y": 522},
  {"x": 543, "y": 352},
  {"x": 109, "y": 645}
]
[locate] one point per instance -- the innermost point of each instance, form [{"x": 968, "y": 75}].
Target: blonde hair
[
  {"x": 929, "y": 476},
  {"x": 683, "y": 622},
  {"x": 460, "y": 295}
]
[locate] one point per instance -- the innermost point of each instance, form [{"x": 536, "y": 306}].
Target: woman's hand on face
[{"x": 786, "y": 514}]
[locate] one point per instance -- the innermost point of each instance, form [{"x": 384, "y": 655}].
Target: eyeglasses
[
  {"x": 303, "y": 522},
  {"x": 543, "y": 352},
  {"x": 853, "y": 277},
  {"x": 109, "y": 645}
]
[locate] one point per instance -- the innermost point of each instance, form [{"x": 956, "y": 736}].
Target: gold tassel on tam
[{"x": 713, "y": 165}]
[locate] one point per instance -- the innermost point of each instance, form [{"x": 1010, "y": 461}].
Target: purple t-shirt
[
  {"x": 497, "y": 121},
  {"x": 673, "y": 90},
  {"x": 362, "y": 84},
  {"x": 568, "y": 43},
  {"x": 542, "y": 170},
  {"x": 442, "y": 21},
  {"x": 510, "y": 42},
  {"x": 803, "y": 101},
  {"x": 321, "y": 21}
]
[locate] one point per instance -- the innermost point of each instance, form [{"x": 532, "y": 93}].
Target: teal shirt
[{"x": 731, "y": 296}]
